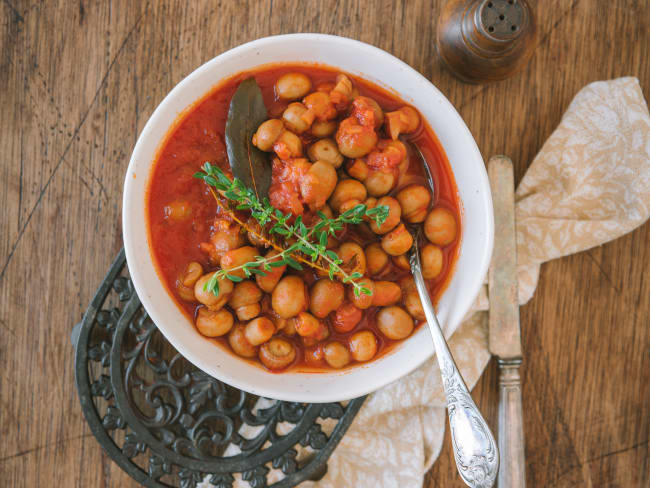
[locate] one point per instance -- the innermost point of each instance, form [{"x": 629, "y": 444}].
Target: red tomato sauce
[{"x": 197, "y": 136}]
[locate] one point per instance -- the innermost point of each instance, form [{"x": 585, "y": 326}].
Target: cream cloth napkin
[{"x": 589, "y": 184}]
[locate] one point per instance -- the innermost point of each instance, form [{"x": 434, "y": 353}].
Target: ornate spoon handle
[{"x": 476, "y": 454}]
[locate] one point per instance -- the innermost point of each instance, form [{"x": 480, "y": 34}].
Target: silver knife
[{"x": 505, "y": 334}]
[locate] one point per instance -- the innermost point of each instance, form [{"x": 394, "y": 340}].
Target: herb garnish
[{"x": 307, "y": 241}]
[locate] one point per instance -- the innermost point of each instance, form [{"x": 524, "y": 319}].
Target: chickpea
[
  {"x": 407, "y": 284},
  {"x": 342, "y": 90},
  {"x": 187, "y": 280},
  {"x": 321, "y": 334},
  {"x": 306, "y": 324},
  {"x": 394, "y": 214},
  {"x": 253, "y": 235},
  {"x": 354, "y": 259},
  {"x": 277, "y": 353},
  {"x": 363, "y": 345},
  {"x": 411, "y": 298},
  {"x": 193, "y": 272},
  {"x": 185, "y": 292},
  {"x": 239, "y": 343},
  {"x": 412, "y": 119},
  {"x": 214, "y": 323},
  {"x": 245, "y": 293},
  {"x": 267, "y": 283},
  {"x": 440, "y": 226},
  {"x": 413, "y": 304},
  {"x": 398, "y": 241},
  {"x": 336, "y": 355},
  {"x": 379, "y": 183},
  {"x": 368, "y": 112},
  {"x": 348, "y": 205},
  {"x": 402, "y": 168},
  {"x": 376, "y": 259},
  {"x": 325, "y": 296},
  {"x": 325, "y": 150},
  {"x": 178, "y": 210},
  {"x": 267, "y": 133},
  {"x": 402, "y": 121},
  {"x": 320, "y": 105},
  {"x": 386, "y": 293},
  {"x": 209, "y": 299},
  {"x": 245, "y": 300},
  {"x": 414, "y": 200},
  {"x": 325, "y": 86},
  {"x": 259, "y": 330},
  {"x": 357, "y": 169},
  {"x": 314, "y": 355},
  {"x": 323, "y": 128},
  {"x": 355, "y": 140},
  {"x": 318, "y": 184},
  {"x": 296, "y": 118},
  {"x": 347, "y": 190},
  {"x": 248, "y": 312},
  {"x": 394, "y": 323},
  {"x": 288, "y": 146},
  {"x": 237, "y": 257},
  {"x": 291, "y": 86},
  {"x": 289, "y": 297},
  {"x": 371, "y": 202},
  {"x": 362, "y": 301},
  {"x": 225, "y": 236},
  {"x": 401, "y": 261},
  {"x": 346, "y": 318},
  {"x": 387, "y": 155},
  {"x": 278, "y": 321},
  {"x": 289, "y": 326},
  {"x": 432, "y": 261}
]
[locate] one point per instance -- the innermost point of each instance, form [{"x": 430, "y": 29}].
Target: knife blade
[{"x": 505, "y": 336}]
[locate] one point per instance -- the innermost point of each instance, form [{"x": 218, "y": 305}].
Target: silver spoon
[{"x": 476, "y": 453}]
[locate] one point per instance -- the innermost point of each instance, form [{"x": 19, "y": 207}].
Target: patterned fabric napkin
[{"x": 589, "y": 184}]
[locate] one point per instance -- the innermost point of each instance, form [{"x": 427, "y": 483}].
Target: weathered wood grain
[{"x": 78, "y": 81}]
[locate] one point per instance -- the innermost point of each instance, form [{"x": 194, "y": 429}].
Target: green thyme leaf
[
  {"x": 212, "y": 285},
  {"x": 293, "y": 263}
]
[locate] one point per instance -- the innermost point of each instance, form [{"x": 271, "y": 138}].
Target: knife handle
[{"x": 512, "y": 472}]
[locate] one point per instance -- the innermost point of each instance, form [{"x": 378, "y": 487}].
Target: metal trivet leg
[{"x": 168, "y": 424}]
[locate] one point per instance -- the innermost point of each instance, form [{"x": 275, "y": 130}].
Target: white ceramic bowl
[{"x": 374, "y": 65}]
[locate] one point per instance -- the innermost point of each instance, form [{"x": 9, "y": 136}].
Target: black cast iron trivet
[{"x": 168, "y": 424}]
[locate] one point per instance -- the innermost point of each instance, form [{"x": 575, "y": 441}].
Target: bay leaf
[{"x": 247, "y": 111}]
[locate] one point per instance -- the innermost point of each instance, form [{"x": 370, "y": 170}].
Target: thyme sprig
[{"x": 307, "y": 241}]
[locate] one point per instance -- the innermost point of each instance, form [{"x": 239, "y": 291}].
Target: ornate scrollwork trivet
[{"x": 168, "y": 424}]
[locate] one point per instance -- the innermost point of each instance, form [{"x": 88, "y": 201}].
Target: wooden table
[{"x": 78, "y": 80}]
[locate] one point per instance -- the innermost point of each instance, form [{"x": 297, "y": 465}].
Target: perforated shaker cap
[{"x": 504, "y": 19}]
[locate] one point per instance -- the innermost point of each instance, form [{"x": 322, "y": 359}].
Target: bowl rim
[{"x": 163, "y": 108}]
